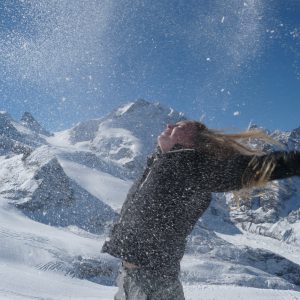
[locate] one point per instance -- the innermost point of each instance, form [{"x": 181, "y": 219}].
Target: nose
[{"x": 170, "y": 126}]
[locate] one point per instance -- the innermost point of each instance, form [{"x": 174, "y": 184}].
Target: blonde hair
[{"x": 223, "y": 145}]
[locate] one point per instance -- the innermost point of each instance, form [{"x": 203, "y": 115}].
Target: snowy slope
[
  {"x": 60, "y": 193},
  {"x": 30, "y": 252},
  {"x": 89, "y": 179},
  {"x": 35, "y": 258}
]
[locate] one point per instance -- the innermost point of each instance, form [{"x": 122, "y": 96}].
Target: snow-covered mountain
[
  {"x": 39, "y": 187},
  {"x": 60, "y": 193},
  {"x": 274, "y": 210},
  {"x": 16, "y": 138},
  {"x": 127, "y": 135}
]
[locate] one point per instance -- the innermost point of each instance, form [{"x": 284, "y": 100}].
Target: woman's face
[{"x": 182, "y": 133}]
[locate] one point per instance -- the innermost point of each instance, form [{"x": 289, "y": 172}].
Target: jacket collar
[
  {"x": 180, "y": 148},
  {"x": 175, "y": 148}
]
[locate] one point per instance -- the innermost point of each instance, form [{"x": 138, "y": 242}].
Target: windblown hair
[{"x": 222, "y": 145}]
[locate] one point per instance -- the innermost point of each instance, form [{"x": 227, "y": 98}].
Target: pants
[{"x": 139, "y": 284}]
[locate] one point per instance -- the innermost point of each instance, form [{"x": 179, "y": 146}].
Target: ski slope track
[{"x": 60, "y": 193}]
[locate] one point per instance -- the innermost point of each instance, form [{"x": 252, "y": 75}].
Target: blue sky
[{"x": 228, "y": 62}]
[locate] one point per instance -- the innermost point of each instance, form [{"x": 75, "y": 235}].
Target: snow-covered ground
[
  {"x": 253, "y": 240},
  {"x": 22, "y": 283},
  {"x": 32, "y": 256}
]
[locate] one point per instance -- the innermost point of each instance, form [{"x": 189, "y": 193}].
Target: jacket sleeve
[{"x": 240, "y": 170}]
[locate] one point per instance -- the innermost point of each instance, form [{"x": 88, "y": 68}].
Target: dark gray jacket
[{"x": 163, "y": 205}]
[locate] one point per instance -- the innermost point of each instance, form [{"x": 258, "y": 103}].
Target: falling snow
[{"x": 77, "y": 67}]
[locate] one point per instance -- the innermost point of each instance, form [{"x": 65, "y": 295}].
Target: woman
[{"x": 163, "y": 205}]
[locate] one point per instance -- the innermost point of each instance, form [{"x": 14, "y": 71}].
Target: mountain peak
[
  {"x": 131, "y": 107},
  {"x": 31, "y": 123},
  {"x": 6, "y": 125},
  {"x": 144, "y": 107},
  {"x": 142, "y": 102},
  {"x": 27, "y": 117},
  {"x": 5, "y": 115},
  {"x": 296, "y": 131}
]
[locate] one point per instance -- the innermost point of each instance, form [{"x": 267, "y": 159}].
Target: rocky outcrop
[{"x": 31, "y": 123}]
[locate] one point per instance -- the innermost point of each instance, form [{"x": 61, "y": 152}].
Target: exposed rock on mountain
[
  {"x": 7, "y": 128},
  {"x": 31, "y": 123}
]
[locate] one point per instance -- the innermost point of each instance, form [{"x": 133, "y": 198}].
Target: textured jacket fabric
[{"x": 175, "y": 189}]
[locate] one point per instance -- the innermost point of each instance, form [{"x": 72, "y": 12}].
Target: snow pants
[{"x": 139, "y": 284}]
